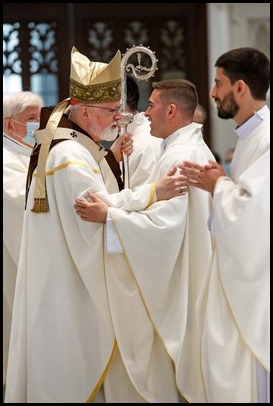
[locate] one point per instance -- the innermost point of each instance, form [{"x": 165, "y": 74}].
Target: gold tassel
[{"x": 40, "y": 205}]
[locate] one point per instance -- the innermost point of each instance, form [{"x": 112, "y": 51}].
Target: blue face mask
[
  {"x": 31, "y": 127},
  {"x": 227, "y": 168}
]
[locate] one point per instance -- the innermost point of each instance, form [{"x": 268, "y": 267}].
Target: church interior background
[{"x": 186, "y": 38}]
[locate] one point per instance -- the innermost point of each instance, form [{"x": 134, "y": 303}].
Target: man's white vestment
[
  {"x": 167, "y": 252},
  {"x": 236, "y": 295},
  {"x": 15, "y": 167}
]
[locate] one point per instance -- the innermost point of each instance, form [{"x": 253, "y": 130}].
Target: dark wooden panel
[{"x": 75, "y": 22}]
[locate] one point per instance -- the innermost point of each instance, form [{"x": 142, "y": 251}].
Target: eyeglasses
[{"x": 109, "y": 111}]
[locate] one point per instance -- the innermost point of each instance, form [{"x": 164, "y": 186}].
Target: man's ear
[
  {"x": 241, "y": 86},
  {"x": 8, "y": 125},
  {"x": 84, "y": 111},
  {"x": 171, "y": 109}
]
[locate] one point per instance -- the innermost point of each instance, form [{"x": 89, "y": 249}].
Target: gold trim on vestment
[{"x": 40, "y": 197}]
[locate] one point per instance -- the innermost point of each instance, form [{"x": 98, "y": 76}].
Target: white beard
[{"x": 110, "y": 134}]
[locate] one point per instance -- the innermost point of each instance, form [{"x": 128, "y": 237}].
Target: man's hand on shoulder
[{"x": 171, "y": 185}]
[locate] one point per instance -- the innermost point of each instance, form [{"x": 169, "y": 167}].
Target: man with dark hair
[
  {"x": 132, "y": 94},
  {"x": 236, "y": 299}
]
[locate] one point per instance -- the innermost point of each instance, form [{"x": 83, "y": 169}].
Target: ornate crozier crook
[{"x": 137, "y": 72}]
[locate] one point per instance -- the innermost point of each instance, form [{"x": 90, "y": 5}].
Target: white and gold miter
[
  {"x": 94, "y": 82},
  {"x": 90, "y": 82}
]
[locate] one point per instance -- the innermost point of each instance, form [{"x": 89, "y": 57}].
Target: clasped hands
[{"x": 202, "y": 176}]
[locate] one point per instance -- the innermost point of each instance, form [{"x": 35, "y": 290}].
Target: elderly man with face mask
[{"x": 21, "y": 114}]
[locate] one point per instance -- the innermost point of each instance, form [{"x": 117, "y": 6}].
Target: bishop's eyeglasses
[{"x": 109, "y": 110}]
